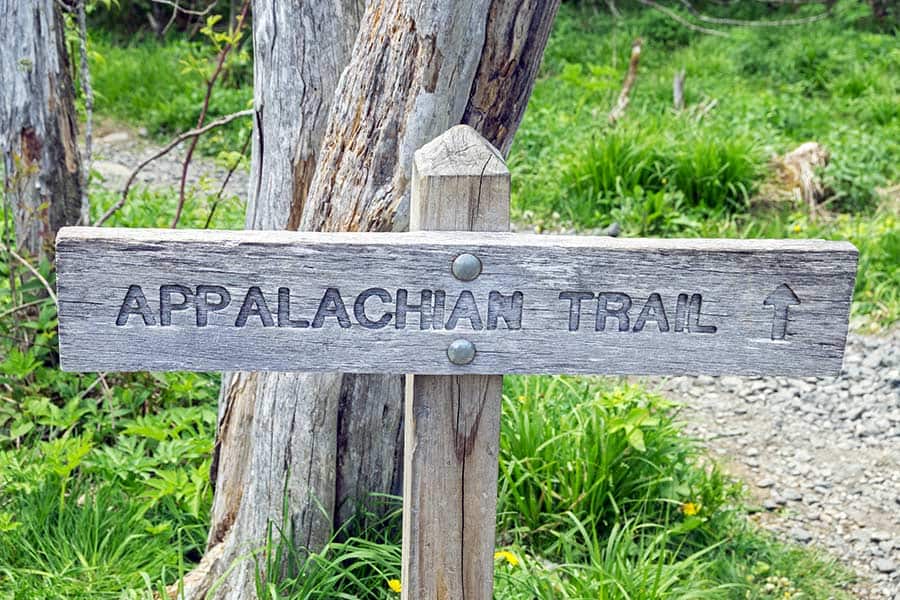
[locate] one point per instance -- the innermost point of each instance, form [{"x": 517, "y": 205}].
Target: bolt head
[
  {"x": 461, "y": 352},
  {"x": 466, "y": 267}
]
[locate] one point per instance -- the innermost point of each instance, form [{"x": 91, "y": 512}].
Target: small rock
[
  {"x": 872, "y": 360},
  {"x": 115, "y": 137},
  {"x": 111, "y": 170},
  {"x": 885, "y": 565},
  {"x": 731, "y": 382},
  {"x": 792, "y": 495},
  {"x": 879, "y": 536},
  {"x": 801, "y": 535},
  {"x": 765, "y": 483},
  {"x": 859, "y": 536}
]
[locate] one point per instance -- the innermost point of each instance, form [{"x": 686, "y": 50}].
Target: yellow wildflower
[
  {"x": 508, "y": 556},
  {"x": 395, "y": 586},
  {"x": 690, "y": 509},
  {"x": 798, "y": 228}
]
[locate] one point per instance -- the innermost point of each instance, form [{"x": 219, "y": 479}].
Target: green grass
[
  {"x": 161, "y": 87},
  {"x": 594, "y": 479},
  {"x": 149, "y": 207}
]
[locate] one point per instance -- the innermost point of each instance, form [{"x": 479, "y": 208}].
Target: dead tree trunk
[
  {"x": 37, "y": 124},
  {"x": 293, "y": 89},
  {"x": 317, "y": 444}
]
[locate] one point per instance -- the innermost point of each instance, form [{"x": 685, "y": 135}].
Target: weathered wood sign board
[{"x": 390, "y": 303}]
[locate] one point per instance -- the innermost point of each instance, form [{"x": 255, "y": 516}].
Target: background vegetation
[{"x": 104, "y": 485}]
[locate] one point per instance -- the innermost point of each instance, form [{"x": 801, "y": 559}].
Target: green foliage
[
  {"x": 350, "y": 566},
  {"x": 103, "y": 479},
  {"x": 691, "y": 170},
  {"x": 598, "y": 453},
  {"x": 95, "y": 544},
  {"x": 758, "y": 93},
  {"x": 161, "y": 86},
  {"x": 600, "y": 497},
  {"x": 153, "y": 207}
]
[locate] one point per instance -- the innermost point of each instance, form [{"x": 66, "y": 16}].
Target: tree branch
[
  {"x": 34, "y": 272},
  {"x": 220, "y": 65},
  {"x": 180, "y": 9},
  {"x": 16, "y": 309},
  {"x": 215, "y": 204},
  {"x": 618, "y": 110},
  {"x": 193, "y": 133},
  {"x": 752, "y": 23},
  {"x": 674, "y": 15},
  {"x": 89, "y": 114}
]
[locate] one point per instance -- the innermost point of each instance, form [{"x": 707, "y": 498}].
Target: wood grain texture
[
  {"x": 452, "y": 425},
  {"x": 408, "y": 80},
  {"x": 734, "y": 277},
  {"x": 450, "y": 491},
  {"x": 300, "y": 49},
  {"x": 516, "y": 34},
  {"x": 38, "y": 124}
]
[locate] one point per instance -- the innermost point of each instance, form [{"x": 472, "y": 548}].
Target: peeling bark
[
  {"x": 508, "y": 69},
  {"x": 38, "y": 130},
  {"x": 314, "y": 446}
]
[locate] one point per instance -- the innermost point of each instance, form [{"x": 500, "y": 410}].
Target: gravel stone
[
  {"x": 792, "y": 495},
  {"x": 829, "y": 446},
  {"x": 885, "y": 565},
  {"x": 801, "y": 535}
]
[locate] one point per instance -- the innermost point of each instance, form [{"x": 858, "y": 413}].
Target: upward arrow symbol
[{"x": 781, "y": 299}]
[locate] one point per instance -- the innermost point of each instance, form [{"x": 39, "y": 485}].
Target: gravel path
[
  {"x": 821, "y": 456},
  {"x": 118, "y": 151}
]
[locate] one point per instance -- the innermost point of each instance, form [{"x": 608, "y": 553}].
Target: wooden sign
[
  {"x": 390, "y": 303},
  {"x": 454, "y": 306}
]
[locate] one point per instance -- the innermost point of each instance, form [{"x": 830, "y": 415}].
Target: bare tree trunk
[
  {"x": 300, "y": 49},
  {"x": 37, "y": 124},
  {"x": 315, "y": 445}
]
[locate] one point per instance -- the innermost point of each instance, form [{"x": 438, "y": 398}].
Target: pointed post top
[
  {"x": 459, "y": 152},
  {"x": 459, "y": 183}
]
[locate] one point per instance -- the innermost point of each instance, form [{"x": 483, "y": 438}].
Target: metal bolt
[
  {"x": 461, "y": 352},
  {"x": 466, "y": 267}
]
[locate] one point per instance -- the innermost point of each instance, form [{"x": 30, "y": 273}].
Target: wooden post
[{"x": 460, "y": 183}]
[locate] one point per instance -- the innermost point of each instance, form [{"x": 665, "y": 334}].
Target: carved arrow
[{"x": 781, "y": 299}]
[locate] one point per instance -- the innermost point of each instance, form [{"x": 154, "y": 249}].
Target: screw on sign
[{"x": 455, "y": 303}]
